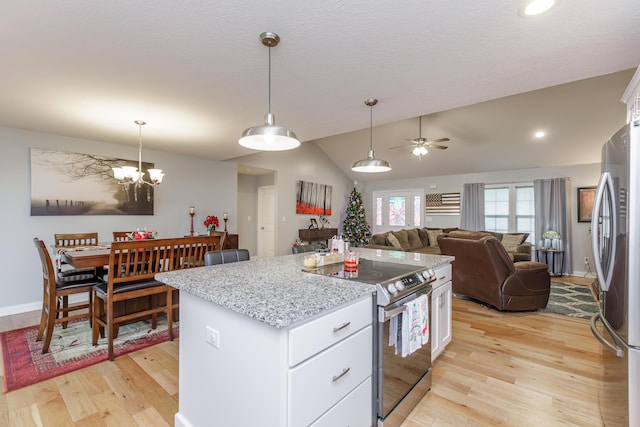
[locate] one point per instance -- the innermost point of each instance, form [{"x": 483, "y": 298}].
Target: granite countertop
[{"x": 277, "y": 291}]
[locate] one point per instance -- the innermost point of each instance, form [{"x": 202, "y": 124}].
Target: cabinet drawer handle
[
  {"x": 441, "y": 277},
  {"x": 341, "y": 374},
  {"x": 341, "y": 327}
]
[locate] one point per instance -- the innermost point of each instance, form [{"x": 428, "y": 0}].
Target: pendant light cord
[
  {"x": 269, "y": 107},
  {"x": 140, "y": 152},
  {"x": 371, "y": 128}
]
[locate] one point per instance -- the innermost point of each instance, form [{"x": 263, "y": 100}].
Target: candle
[
  {"x": 225, "y": 215},
  {"x": 192, "y": 210}
]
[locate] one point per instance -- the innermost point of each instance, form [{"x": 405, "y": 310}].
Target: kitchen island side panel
[{"x": 241, "y": 383}]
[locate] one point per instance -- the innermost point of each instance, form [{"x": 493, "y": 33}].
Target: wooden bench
[{"x": 132, "y": 267}]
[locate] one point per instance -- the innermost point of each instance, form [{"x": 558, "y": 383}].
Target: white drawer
[
  {"x": 443, "y": 275},
  {"x": 352, "y": 411},
  {"x": 316, "y": 335},
  {"x": 322, "y": 381}
]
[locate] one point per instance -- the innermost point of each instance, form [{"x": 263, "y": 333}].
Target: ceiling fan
[{"x": 421, "y": 145}]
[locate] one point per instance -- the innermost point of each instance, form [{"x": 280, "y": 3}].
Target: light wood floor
[{"x": 501, "y": 369}]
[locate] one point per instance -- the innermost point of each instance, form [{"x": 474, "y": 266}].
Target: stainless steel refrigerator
[{"x": 615, "y": 229}]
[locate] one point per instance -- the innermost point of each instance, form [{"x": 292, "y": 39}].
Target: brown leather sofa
[{"x": 483, "y": 271}]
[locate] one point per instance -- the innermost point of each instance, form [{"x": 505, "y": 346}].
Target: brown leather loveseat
[{"x": 483, "y": 270}]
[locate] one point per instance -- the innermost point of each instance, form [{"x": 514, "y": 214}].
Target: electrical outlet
[{"x": 213, "y": 337}]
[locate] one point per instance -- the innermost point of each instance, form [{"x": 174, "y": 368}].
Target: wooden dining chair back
[
  {"x": 222, "y": 235},
  {"x": 121, "y": 236},
  {"x": 55, "y": 296},
  {"x": 73, "y": 240},
  {"x": 132, "y": 269}
]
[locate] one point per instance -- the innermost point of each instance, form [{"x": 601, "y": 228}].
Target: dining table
[{"x": 86, "y": 256}]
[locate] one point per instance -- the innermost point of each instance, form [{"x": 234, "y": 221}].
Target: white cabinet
[
  {"x": 441, "y": 311},
  {"x": 318, "y": 372},
  {"x": 631, "y": 97},
  {"x": 340, "y": 346}
]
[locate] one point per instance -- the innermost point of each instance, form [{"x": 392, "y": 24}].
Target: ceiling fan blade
[
  {"x": 439, "y": 147},
  {"x": 439, "y": 140},
  {"x": 400, "y": 146}
]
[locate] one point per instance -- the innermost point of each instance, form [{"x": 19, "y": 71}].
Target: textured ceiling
[{"x": 196, "y": 72}]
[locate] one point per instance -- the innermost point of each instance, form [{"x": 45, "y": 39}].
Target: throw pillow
[
  {"x": 379, "y": 239},
  {"x": 433, "y": 237},
  {"x": 424, "y": 237},
  {"x": 414, "y": 239},
  {"x": 393, "y": 241},
  {"x": 403, "y": 238},
  {"x": 511, "y": 241}
]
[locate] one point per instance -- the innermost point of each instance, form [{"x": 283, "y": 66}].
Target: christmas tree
[{"x": 354, "y": 227}]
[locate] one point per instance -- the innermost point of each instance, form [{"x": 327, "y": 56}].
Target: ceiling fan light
[{"x": 423, "y": 151}]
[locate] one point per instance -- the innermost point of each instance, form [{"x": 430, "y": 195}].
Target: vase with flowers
[
  {"x": 552, "y": 239},
  {"x": 211, "y": 222},
  {"x": 142, "y": 234}
]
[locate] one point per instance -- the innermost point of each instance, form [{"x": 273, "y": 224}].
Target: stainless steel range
[{"x": 400, "y": 381}]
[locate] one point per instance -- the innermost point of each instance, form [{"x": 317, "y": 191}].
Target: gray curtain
[
  {"x": 472, "y": 207},
  {"x": 553, "y": 212}
]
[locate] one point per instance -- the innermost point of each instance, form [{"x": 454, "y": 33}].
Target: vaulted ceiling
[{"x": 196, "y": 72}]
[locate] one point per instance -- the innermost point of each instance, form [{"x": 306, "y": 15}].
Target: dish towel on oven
[{"x": 415, "y": 325}]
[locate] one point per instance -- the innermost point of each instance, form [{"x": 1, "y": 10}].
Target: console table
[{"x": 317, "y": 234}]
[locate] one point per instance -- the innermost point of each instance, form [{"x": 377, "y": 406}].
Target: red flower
[{"x": 211, "y": 222}]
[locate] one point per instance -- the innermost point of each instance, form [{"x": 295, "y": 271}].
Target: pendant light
[
  {"x": 371, "y": 164},
  {"x": 269, "y": 137}
]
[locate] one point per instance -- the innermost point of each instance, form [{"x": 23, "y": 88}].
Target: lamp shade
[
  {"x": 371, "y": 165},
  {"x": 269, "y": 137}
]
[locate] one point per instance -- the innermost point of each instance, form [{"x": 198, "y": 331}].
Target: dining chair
[
  {"x": 121, "y": 236},
  {"x": 222, "y": 234},
  {"x": 225, "y": 256},
  {"x": 64, "y": 241},
  {"x": 55, "y": 298},
  {"x": 302, "y": 248}
]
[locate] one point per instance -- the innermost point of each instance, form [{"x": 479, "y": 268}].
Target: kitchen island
[{"x": 254, "y": 346}]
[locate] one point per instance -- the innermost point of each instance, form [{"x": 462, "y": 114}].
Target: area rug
[
  {"x": 70, "y": 349},
  {"x": 571, "y": 300}
]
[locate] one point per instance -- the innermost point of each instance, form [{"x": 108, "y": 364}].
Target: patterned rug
[
  {"x": 70, "y": 349},
  {"x": 571, "y": 300}
]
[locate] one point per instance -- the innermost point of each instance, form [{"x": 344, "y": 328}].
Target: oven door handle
[{"x": 386, "y": 314}]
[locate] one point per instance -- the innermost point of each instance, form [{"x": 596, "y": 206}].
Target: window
[{"x": 510, "y": 208}]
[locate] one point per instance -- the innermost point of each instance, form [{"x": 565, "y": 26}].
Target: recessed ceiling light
[
  {"x": 536, "y": 7},
  {"x": 539, "y": 134}
]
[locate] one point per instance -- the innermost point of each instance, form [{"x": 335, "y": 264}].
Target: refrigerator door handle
[
  {"x": 605, "y": 183},
  {"x": 614, "y": 348}
]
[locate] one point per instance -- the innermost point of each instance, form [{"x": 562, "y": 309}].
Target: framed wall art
[
  {"x": 586, "y": 196},
  {"x": 312, "y": 198},
  {"x": 64, "y": 183}
]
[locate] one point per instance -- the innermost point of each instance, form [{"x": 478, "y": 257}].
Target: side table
[{"x": 551, "y": 257}]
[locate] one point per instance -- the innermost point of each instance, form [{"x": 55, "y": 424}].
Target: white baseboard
[{"x": 36, "y": 306}]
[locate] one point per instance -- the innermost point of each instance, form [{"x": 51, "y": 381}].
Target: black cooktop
[{"x": 368, "y": 271}]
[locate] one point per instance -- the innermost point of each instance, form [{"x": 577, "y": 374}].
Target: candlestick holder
[
  {"x": 191, "y": 214},
  {"x": 225, "y": 224}
]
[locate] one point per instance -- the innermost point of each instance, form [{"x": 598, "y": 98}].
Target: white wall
[
  {"x": 307, "y": 163},
  {"x": 581, "y": 176},
  {"x": 208, "y": 185}
]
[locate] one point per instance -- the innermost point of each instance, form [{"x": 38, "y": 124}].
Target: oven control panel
[{"x": 405, "y": 284}]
